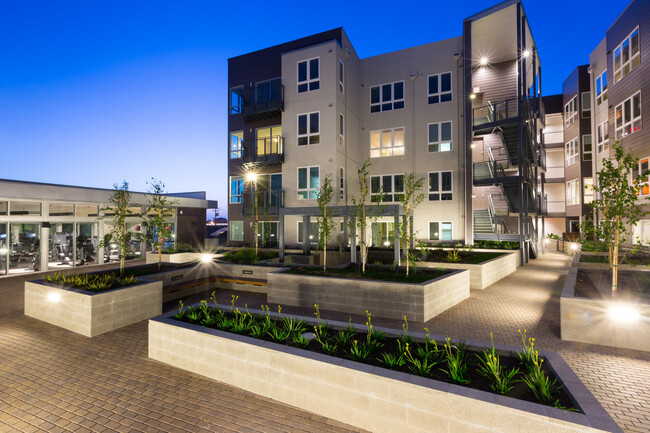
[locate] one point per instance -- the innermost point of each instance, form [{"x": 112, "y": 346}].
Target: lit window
[
  {"x": 341, "y": 130},
  {"x": 628, "y": 116},
  {"x": 570, "y": 112},
  {"x": 601, "y": 88},
  {"x": 640, "y": 177},
  {"x": 440, "y": 186},
  {"x": 387, "y": 142},
  {"x": 236, "y": 188},
  {"x": 308, "y": 182},
  {"x": 588, "y": 189},
  {"x": 387, "y": 97},
  {"x": 236, "y": 100},
  {"x": 602, "y": 137},
  {"x": 308, "y": 129},
  {"x": 236, "y": 230},
  {"x": 571, "y": 152},
  {"x": 236, "y": 144},
  {"x": 439, "y": 88},
  {"x": 440, "y": 137},
  {"x": 586, "y": 105},
  {"x": 627, "y": 56},
  {"x": 573, "y": 192},
  {"x": 440, "y": 231},
  {"x": 391, "y": 185},
  {"x": 308, "y": 75},
  {"x": 269, "y": 141},
  {"x": 341, "y": 76},
  {"x": 586, "y": 147}
]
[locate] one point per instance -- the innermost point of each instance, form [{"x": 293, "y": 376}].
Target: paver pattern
[{"x": 54, "y": 380}]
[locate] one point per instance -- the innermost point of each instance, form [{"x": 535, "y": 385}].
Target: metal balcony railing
[
  {"x": 264, "y": 101},
  {"x": 268, "y": 202},
  {"x": 495, "y": 112}
]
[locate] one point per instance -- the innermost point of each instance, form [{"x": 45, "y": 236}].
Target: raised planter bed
[
  {"x": 364, "y": 396},
  {"x": 93, "y": 313},
  {"x": 598, "y": 320},
  {"x": 393, "y": 300},
  {"x": 578, "y": 263},
  {"x": 176, "y": 257}
]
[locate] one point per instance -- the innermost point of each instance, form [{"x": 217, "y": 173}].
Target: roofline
[
  {"x": 492, "y": 9},
  {"x": 619, "y": 17}
]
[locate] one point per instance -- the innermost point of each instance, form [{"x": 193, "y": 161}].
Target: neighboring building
[
  {"x": 463, "y": 113},
  {"x": 46, "y": 226}
]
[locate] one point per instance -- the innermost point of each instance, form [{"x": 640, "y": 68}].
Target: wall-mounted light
[
  {"x": 472, "y": 96},
  {"x": 472, "y": 145},
  {"x": 251, "y": 177},
  {"x": 484, "y": 61},
  {"x": 526, "y": 53}
]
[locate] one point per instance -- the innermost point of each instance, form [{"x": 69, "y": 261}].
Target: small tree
[
  {"x": 120, "y": 204},
  {"x": 325, "y": 222},
  {"x": 618, "y": 203},
  {"x": 156, "y": 216},
  {"x": 410, "y": 199}
]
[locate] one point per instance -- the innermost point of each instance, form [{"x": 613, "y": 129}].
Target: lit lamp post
[{"x": 252, "y": 177}]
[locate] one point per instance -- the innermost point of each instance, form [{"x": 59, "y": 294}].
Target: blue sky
[{"x": 95, "y": 92}]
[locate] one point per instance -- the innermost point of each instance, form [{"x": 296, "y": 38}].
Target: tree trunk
[
  {"x": 363, "y": 240},
  {"x": 123, "y": 248},
  {"x": 407, "y": 239},
  {"x": 160, "y": 241},
  {"x": 615, "y": 258}
]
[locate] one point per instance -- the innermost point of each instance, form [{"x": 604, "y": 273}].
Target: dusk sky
[{"x": 95, "y": 92}]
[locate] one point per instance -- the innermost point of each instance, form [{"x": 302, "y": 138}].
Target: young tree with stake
[
  {"x": 325, "y": 222},
  {"x": 157, "y": 214},
  {"x": 410, "y": 199},
  {"x": 120, "y": 204}
]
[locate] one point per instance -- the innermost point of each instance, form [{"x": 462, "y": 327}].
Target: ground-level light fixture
[
  {"x": 53, "y": 297},
  {"x": 573, "y": 246},
  {"x": 623, "y": 313},
  {"x": 206, "y": 258}
]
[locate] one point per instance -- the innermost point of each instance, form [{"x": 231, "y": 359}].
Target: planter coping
[
  {"x": 593, "y": 414},
  {"x": 501, "y": 256},
  {"x": 369, "y": 280},
  {"x": 43, "y": 282}
]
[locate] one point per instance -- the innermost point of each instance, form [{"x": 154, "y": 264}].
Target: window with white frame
[
  {"x": 387, "y": 97},
  {"x": 308, "y": 128},
  {"x": 439, "y": 88},
  {"x": 236, "y": 144},
  {"x": 601, "y": 88},
  {"x": 387, "y": 142},
  {"x": 571, "y": 152},
  {"x": 586, "y": 147},
  {"x": 440, "y": 231},
  {"x": 308, "y": 182},
  {"x": 341, "y": 130},
  {"x": 628, "y": 116},
  {"x": 602, "y": 137},
  {"x": 236, "y": 230},
  {"x": 440, "y": 137},
  {"x": 308, "y": 75},
  {"x": 341, "y": 76},
  {"x": 627, "y": 55},
  {"x": 236, "y": 100},
  {"x": 588, "y": 189},
  {"x": 640, "y": 177},
  {"x": 236, "y": 188},
  {"x": 390, "y": 185},
  {"x": 573, "y": 192},
  {"x": 440, "y": 186},
  {"x": 570, "y": 112},
  {"x": 586, "y": 105},
  {"x": 341, "y": 183}
]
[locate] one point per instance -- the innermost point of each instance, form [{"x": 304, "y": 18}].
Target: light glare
[
  {"x": 206, "y": 258},
  {"x": 623, "y": 313},
  {"x": 484, "y": 61},
  {"x": 251, "y": 177},
  {"x": 53, "y": 297},
  {"x": 526, "y": 53}
]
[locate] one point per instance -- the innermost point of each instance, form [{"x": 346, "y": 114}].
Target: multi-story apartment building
[
  {"x": 462, "y": 113},
  {"x": 554, "y": 177}
]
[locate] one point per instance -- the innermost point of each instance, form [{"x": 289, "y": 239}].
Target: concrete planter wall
[
  {"x": 418, "y": 302},
  {"x": 175, "y": 258},
  {"x": 365, "y": 397},
  {"x": 484, "y": 274},
  {"x": 247, "y": 278},
  {"x": 588, "y": 320},
  {"x": 89, "y": 313},
  {"x": 576, "y": 263}
]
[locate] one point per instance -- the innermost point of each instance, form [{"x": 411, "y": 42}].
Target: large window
[
  {"x": 341, "y": 76},
  {"x": 601, "y": 88},
  {"x": 236, "y": 230},
  {"x": 391, "y": 185},
  {"x": 308, "y": 75},
  {"x": 236, "y": 188},
  {"x": 440, "y": 231},
  {"x": 236, "y": 100},
  {"x": 313, "y": 232},
  {"x": 308, "y": 129},
  {"x": 61, "y": 209},
  {"x": 383, "y": 234},
  {"x": 236, "y": 144},
  {"x": 586, "y": 147},
  {"x": 573, "y": 192},
  {"x": 269, "y": 141},
  {"x": 387, "y": 97},
  {"x": 628, "y": 116},
  {"x": 440, "y": 186},
  {"x": 267, "y": 234},
  {"x": 643, "y": 183},
  {"x": 627, "y": 56},
  {"x": 308, "y": 182},
  {"x": 571, "y": 152},
  {"x": 570, "y": 112},
  {"x": 602, "y": 137},
  {"x": 586, "y": 105},
  {"x": 24, "y": 208},
  {"x": 341, "y": 130},
  {"x": 387, "y": 142},
  {"x": 267, "y": 91},
  {"x": 439, "y": 88},
  {"x": 440, "y": 137}
]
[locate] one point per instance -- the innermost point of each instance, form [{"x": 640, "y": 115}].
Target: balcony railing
[
  {"x": 267, "y": 150},
  {"x": 268, "y": 202},
  {"x": 495, "y": 112},
  {"x": 264, "y": 101}
]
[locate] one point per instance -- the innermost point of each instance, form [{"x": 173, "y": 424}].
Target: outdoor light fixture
[
  {"x": 547, "y": 240},
  {"x": 386, "y": 243},
  {"x": 251, "y": 177},
  {"x": 53, "y": 297},
  {"x": 472, "y": 96},
  {"x": 526, "y": 53},
  {"x": 472, "y": 145},
  {"x": 573, "y": 246},
  {"x": 484, "y": 61},
  {"x": 623, "y": 313},
  {"x": 206, "y": 258}
]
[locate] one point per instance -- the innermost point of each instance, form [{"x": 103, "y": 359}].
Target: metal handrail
[{"x": 495, "y": 111}]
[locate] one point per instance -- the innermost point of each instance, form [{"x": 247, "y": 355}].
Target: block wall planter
[
  {"x": 176, "y": 257},
  {"x": 89, "y": 313},
  {"x": 484, "y": 274}
]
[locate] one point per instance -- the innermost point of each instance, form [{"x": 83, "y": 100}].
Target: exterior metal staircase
[{"x": 483, "y": 221}]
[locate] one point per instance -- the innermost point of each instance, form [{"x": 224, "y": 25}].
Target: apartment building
[
  {"x": 312, "y": 108},
  {"x": 554, "y": 176}
]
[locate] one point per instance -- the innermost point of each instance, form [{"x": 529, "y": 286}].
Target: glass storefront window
[
  {"x": 60, "y": 248},
  {"x": 24, "y": 247},
  {"x": 61, "y": 209},
  {"x": 4, "y": 250},
  {"x": 24, "y": 208},
  {"x": 84, "y": 210},
  {"x": 86, "y": 244}
]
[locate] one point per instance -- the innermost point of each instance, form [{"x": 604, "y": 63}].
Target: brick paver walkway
[{"x": 53, "y": 380}]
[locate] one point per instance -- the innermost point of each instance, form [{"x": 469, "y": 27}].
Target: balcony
[
  {"x": 267, "y": 151},
  {"x": 495, "y": 114},
  {"x": 268, "y": 203},
  {"x": 265, "y": 101},
  {"x": 554, "y": 173},
  {"x": 556, "y": 208}
]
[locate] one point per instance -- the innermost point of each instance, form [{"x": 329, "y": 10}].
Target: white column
[{"x": 44, "y": 251}]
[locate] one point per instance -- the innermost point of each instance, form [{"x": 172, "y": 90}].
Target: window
[
  {"x": 24, "y": 208},
  {"x": 440, "y": 88},
  {"x": 60, "y": 209},
  {"x": 387, "y": 97},
  {"x": 236, "y": 188},
  {"x": 308, "y": 182},
  {"x": 570, "y": 112},
  {"x": 341, "y": 130},
  {"x": 313, "y": 232},
  {"x": 83, "y": 210},
  {"x": 391, "y": 185},
  {"x": 269, "y": 141},
  {"x": 383, "y": 234},
  {"x": 236, "y": 100},
  {"x": 341, "y": 183},
  {"x": 586, "y": 105},
  {"x": 628, "y": 116},
  {"x": 308, "y": 75},
  {"x": 267, "y": 234},
  {"x": 236, "y": 143},
  {"x": 589, "y": 189},
  {"x": 440, "y": 137},
  {"x": 341, "y": 76},
  {"x": 267, "y": 91},
  {"x": 571, "y": 152},
  {"x": 601, "y": 88},
  {"x": 643, "y": 183},
  {"x": 440, "y": 185},
  {"x": 627, "y": 56},
  {"x": 586, "y": 147},
  {"x": 573, "y": 192},
  {"x": 440, "y": 231},
  {"x": 602, "y": 137},
  {"x": 236, "y": 230},
  {"x": 387, "y": 142},
  {"x": 308, "y": 129}
]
